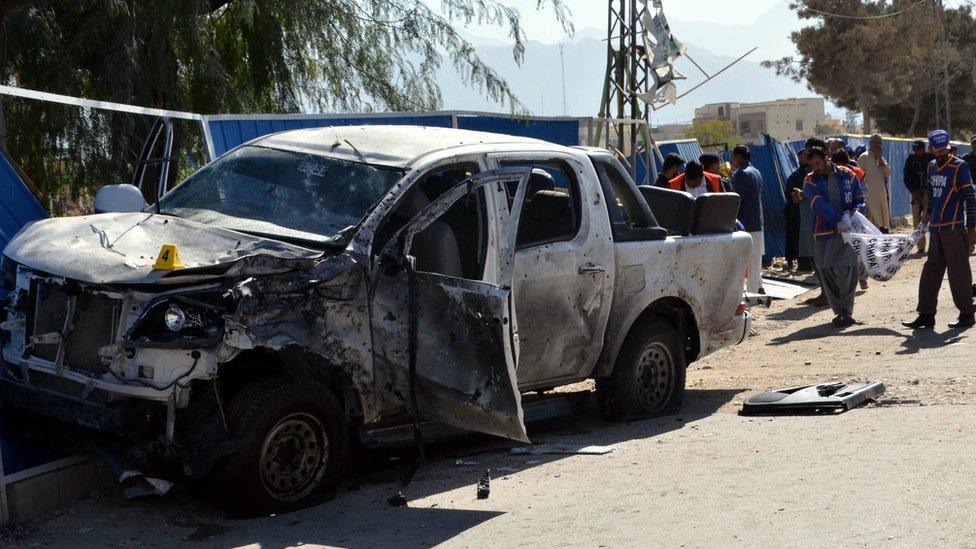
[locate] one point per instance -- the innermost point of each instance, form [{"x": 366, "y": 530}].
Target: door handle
[{"x": 591, "y": 268}]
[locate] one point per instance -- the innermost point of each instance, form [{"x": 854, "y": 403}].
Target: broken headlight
[
  {"x": 180, "y": 322},
  {"x": 174, "y": 318}
]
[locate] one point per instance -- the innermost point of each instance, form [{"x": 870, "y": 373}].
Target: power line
[{"x": 858, "y": 17}]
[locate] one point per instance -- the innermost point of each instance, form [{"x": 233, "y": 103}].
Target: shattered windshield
[{"x": 282, "y": 193}]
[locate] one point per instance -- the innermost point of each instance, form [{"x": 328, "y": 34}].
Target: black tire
[
  {"x": 294, "y": 450},
  {"x": 648, "y": 378}
]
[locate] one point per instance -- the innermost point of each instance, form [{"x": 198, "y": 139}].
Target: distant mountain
[{"x": 537, "y": 82}]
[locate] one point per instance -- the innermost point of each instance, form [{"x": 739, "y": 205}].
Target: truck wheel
[
  {"x": 294, "y": 448},
  {"x": 648, "y": 378}
]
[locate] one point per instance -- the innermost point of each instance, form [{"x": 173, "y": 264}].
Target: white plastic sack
[{"x": 881, "y": 255}]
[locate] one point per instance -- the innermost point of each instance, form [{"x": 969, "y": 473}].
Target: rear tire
[
  {"x": 648, "y": 378},
  {"x": 294, "y": 448}
]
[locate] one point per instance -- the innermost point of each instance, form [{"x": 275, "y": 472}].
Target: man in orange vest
[{"x": 696, "y": 180}]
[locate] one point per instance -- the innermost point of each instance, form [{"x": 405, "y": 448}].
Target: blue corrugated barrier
[
  {"x": 18, "y": 205},
  {"x": 775, "y": 161},
  {"x": 687, "y": 149},
  {"x": 229, "y": 132},
  {"x": 562, "y": 132}
]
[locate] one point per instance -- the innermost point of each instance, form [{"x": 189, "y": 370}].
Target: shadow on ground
[{"x": 359, "y": 515}]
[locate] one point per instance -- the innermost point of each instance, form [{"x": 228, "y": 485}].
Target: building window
[
  {"x": 721, "y": 111},
  {"x": 799, "y": 125},
  {"x": 745, "y": 128}
]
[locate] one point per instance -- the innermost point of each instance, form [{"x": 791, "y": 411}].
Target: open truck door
[{"x": 448, "y": 340}]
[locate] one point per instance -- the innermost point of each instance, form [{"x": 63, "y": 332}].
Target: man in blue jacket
[
  {"x": 833, "y": 190},
  {"x": 952, "y": 230},
  {"x": 748, "y": 183}
]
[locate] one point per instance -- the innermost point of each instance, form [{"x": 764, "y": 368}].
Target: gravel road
[{"x": 898, "y": 472}]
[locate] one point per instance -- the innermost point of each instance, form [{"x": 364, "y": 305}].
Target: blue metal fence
[
  {"x": 18, "y": 205},
  {"x": 227, "y": 132}
]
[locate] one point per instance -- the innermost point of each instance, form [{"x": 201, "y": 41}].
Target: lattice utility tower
[{"x": 628, "y": 74}]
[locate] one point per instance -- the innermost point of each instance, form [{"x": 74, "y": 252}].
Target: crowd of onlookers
[{"x": 834, "y": 179}]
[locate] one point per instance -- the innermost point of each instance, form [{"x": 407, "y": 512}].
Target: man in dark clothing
[
  {"x": 970, "y": 157},
  {"x": 791, "y": 213},
  {"x": 952, "y": 231},
  {"x": 916, "y": 166},
  {"x": 748, "y": 182},
  {"x": 672, "y": 167}
]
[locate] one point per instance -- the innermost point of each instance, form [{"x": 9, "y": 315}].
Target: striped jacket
[{"x": 815, "y": 191}]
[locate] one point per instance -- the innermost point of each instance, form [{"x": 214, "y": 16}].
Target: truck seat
[
  {"x": 674, "y": 210},
  {"x": 436, "y": 247},
  {"x": 715, "y": 213},
  {"x": 547, "y": 215}
]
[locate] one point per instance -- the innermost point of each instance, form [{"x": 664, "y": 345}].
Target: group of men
[
  {"x": 834, "y": 180},
  {"x": 705, "y": 176},
  {"x": 943, "y": 196}
]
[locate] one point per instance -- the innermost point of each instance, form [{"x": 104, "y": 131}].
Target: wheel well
[
  {"x": 260, "y": 363},
  {"x": 677, "y": 313}
]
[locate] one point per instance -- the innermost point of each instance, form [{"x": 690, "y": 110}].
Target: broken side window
[
  {"x": 427, "y": 189},
  {"x": 552, "y": 209},
  {"x": 457, "y": 243}
]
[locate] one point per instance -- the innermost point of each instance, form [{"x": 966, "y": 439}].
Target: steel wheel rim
[
  {"x": 294, "y": 457},
  {"x": 655, "y": 377}
]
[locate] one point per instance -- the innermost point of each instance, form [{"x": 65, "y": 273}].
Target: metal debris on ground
[
  {"x": 540, "y": 449},
  {"x": 397, "y": 500},
  {"x": 484, "y": 485},
  {"x": 824, "y": 398}
]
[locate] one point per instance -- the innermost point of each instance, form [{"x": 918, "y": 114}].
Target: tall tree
[
  {"x": 885, "y": 59},
  {"x": 225, "y": 56}
]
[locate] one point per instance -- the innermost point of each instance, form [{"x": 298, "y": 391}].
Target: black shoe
[
  {"x": 843, "y": 321},
  {"x": 965, "y": 321},
  {"x": 923, "y": 321}
]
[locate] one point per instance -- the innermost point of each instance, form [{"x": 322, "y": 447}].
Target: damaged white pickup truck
[{"x": 330, "y": 281}]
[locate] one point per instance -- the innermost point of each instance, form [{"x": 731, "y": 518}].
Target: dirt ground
[{"x": 898, "y": 472}]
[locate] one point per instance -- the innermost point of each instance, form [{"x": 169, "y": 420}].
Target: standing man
[
  {"x": 952, "y": 231},
  {"x": 670, "y": 169},
  {"x": 876, "y": 174},
  {"x": 916, "y": 168},
  {"x": 748, "y": 182},
  {"x": 791, "y": 211},
  {"x": 970, "y": 157},
  {"x": 833, "y": 190}
]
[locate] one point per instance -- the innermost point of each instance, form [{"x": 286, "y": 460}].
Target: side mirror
[{"x": 119, "y": 199}]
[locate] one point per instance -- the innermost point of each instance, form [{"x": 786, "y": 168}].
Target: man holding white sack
[
  {"x": 833, "y": 190},
  {"x": 952, "y": 233}
]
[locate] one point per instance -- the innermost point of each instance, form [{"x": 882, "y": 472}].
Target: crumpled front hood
[{"x": 120, "y": 248}]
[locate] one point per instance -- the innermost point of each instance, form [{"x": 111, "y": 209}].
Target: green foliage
[
  {"x": 890, "y": 68},
  {"x": 712, "y": 131},
  {"x": 223, "y": 56}
]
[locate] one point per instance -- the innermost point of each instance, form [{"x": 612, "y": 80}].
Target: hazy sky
[{"x": 541, "y": 26}]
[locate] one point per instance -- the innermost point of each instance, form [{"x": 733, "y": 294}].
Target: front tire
[
  {"x": 294, "y": 448},
  {"x": 648, "y": 379}
]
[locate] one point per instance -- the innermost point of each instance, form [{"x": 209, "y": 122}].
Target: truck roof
[{"x": 395, "y": 146}]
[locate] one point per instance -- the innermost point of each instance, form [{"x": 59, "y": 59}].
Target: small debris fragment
[
  {"x": 808, "y": 363},
  {"x": 540, "y": 449},
  {"x": 397, "y": 500},
  {"x": 461, "y": 463},
  {"x": 484, "y": 485}
]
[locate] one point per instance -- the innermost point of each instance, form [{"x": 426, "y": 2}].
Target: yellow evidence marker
[{"x": 168, "y": 259}]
